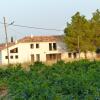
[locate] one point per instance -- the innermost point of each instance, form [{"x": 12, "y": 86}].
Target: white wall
[{"x": 25, "y": 52}]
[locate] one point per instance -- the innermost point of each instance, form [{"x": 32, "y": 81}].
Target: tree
[
  {"x": 79, "y": 28},
  {"x": 95, "y": 25}
]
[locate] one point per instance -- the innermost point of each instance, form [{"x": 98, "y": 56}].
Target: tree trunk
[{"x": 93, "y": 57}]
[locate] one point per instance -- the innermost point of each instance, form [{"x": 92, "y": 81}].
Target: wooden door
[
  {"x": 58, "y": 57},
  {"x": 32, "y": 58}
]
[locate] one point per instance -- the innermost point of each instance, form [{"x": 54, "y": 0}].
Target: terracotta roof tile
[
  {"x": 28, "y": 39},
  {"x": 40, "y": 39},
  {"x": 3, "y": 46}
]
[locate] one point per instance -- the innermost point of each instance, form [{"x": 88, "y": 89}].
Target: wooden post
[
  {"x": 79, "y": 46},
  {"x": 5, "y": 27}
]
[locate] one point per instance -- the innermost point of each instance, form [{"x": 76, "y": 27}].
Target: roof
[
  {"x": 29, "y": 39},
  {"x": 40, "y": 39},
  {"x": 3, "y": 45}
]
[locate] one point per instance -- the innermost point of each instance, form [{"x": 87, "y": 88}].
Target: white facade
[
  {"x": 42, "y": 53},
  {"x": 25, "y": 52}
]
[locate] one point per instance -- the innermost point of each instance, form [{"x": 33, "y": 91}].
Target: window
[
  {"x": 6, "y": 57},
  {"x": 75, "y": 55},
  {"x": 69, "y": 55},
  {"x": 31, "y": 46},
  {"x": 16, "y": 57},
  {"x": 15, "y": 50},
  {"x": 37, "y": 57},
  {"x": 11, "y": 57},
  {"x": 32, "y": 58},
  {"x": 50, "y": 46},
  {"x": 37, "y": 45},
  {"x": 54, "y": 46},
  {"x": 53, "y": 57},
  {"x": 50, "y": 56}
]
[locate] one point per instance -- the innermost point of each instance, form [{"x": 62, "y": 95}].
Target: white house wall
[
  {"x": 25, "y": 52},
  {"x": 89, "y": 55}
]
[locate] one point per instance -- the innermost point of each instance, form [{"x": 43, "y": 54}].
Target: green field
[{"x": 79, "y": 80}]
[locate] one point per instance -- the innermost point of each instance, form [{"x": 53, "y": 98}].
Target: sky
[{"x": 52, "y": 14}]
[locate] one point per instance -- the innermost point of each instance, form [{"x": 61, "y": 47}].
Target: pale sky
[{"x": 42, "y": 13}]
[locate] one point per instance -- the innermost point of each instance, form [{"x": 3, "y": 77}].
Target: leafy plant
[{"x": 79, "y": 80}]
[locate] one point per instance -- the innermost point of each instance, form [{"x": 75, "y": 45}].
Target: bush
[{"x": 79, "y": 80}]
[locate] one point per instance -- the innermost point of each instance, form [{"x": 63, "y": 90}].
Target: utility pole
[
  {"x": 5, "y": 28},
  {"x": 79, "y": 46}
]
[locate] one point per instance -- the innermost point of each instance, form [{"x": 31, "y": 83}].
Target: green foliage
[
  {"x": 79, "y": 27},
  {"x": 79, "y": 80},
  {"x": 95, "y": 25},
  {"x": 88, "y": 32}
]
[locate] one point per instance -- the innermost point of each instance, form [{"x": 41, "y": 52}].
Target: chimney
[
  {"x": 12, "y": 40},
  {"x": 31, "y": 36},
  {"x": 6, "y": 45},
  {"x": 16, "y": 41}
]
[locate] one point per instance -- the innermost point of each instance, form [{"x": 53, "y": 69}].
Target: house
[
  {"x": 33, "y": 48},
  {"x": 36, "y": 48}
]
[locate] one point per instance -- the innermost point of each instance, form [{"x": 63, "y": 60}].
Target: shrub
[{"x": 79, "y": 80}]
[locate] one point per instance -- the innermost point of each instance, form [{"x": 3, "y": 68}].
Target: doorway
[
  {"x": 53, "y": 57},
  {"x": 37, "y": 57},
  {"x": 32, "y": 58}
]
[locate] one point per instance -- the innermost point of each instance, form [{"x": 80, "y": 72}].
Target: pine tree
[{"x": 79, "y": 27}]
